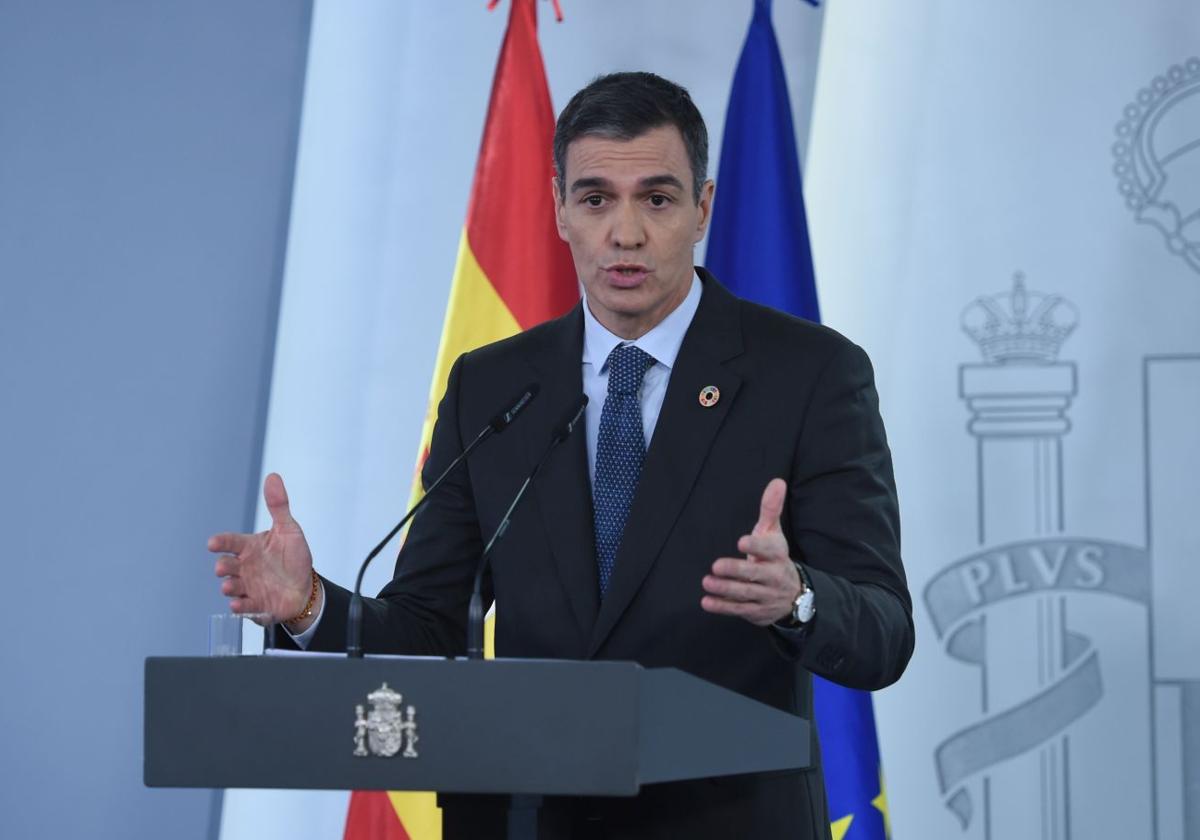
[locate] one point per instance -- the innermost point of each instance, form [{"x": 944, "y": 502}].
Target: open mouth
[{"x": 626, "y": 275}]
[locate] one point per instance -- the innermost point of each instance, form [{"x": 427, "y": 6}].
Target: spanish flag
[{"x": 513, "y": 272}]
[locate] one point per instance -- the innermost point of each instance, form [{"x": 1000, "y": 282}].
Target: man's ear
[
  {"x": 559, "y": 206},
  {"x": 705, "y": 204}
]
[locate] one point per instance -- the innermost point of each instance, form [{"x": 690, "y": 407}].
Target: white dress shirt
[{"x": 662, "y": 342}]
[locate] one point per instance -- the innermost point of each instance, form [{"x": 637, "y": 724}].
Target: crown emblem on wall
[
  {"x": 1020, "y": 326},
  {"x": 1157, "y": 155}
]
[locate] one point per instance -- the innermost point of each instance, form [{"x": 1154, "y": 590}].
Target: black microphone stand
[
  {"x": 497, "y": 424},
  {"x": 475, "y": 608}
]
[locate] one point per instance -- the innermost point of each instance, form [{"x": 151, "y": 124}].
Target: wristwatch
[{"x": 804, "y": 607}]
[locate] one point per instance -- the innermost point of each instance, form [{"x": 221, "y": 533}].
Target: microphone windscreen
[
  {"x": 504, "y": 419},
  {"x": 563, "y": 430}
]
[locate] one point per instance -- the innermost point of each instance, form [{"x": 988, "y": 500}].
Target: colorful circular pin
[{"x": 709, "y": 395}]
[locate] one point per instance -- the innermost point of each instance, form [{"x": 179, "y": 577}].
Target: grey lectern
[{"x": 518, "y": 726}]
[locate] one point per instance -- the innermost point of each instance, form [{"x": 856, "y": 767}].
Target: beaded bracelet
[{"x": 312, "y": 601}]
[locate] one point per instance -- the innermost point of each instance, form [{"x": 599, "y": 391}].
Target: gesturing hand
[
  {"x": 762, "y": 586},
  {"x": 267, "y": 572}
]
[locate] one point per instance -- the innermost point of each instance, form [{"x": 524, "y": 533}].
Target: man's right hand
[{"x": 269, "y": 572}]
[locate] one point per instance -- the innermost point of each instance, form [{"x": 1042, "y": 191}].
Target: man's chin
[{"x": 625, "y": 300}]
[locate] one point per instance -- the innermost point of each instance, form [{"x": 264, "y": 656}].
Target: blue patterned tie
[{"x": 619, "y": 454}]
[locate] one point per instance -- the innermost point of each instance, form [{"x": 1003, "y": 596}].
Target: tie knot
[{"x": 627, "y": 365}]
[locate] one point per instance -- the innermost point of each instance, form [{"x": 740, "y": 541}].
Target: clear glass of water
[{"x": 227, "y": 630}]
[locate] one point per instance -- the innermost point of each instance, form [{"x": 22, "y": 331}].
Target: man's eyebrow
[
  {"x": 590, "y": 184},
  {"x": 661, "y": 181},
  {"x": 648, "y": 183}
]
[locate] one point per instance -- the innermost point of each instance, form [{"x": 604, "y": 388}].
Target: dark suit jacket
[{"x": 797, "y": 401}]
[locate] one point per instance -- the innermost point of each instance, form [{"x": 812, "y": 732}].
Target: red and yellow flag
[{"x": 513, "y": 272}]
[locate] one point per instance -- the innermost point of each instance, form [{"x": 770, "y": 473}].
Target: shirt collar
[{"x": 662, "y": 341}]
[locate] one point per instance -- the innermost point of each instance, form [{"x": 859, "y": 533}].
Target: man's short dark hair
[{"x": 622, "y": 106}]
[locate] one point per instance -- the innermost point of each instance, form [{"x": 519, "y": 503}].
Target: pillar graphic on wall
[
  {"x": 1019, "y": 399},
  {"x": 1089, "y": 684},
  {"x": 1172, "y": 404}
]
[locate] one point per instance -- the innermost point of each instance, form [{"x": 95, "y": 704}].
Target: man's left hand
[{"x": 762, "y": 586}]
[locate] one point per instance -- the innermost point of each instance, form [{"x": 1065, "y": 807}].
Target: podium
[{"x": 521, "y": 727}]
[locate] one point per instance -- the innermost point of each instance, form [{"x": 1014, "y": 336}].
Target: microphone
[
  {"x": 499, "y": 422},
  {"x": 475, "y": 610}
]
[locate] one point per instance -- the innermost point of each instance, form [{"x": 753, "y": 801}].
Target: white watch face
[{"x": 805, "y": 607}]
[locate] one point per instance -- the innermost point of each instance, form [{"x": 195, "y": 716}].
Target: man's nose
[{"x": 628, "y": 230}]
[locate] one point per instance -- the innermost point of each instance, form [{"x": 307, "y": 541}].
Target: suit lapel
[
  {"x": 682, "y": 438},
  {"x": 562, "y": 488}
]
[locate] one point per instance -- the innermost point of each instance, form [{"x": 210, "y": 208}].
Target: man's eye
[
  {"x": 594, "y": 200},
  {"x": 658, "y": 200}
]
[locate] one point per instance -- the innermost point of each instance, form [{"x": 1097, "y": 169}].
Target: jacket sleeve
[{"x": 844, "y": 526}]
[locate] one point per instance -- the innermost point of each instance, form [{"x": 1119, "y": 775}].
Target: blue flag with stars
[{"x": 758, "y": 245}]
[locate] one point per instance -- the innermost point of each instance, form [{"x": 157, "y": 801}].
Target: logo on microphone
[{"x": 385, "y": 730}]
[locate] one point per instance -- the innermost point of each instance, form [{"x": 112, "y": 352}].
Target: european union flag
[
  {"x": 759, "y": 246},
  {"x": 758, "y": 243}
]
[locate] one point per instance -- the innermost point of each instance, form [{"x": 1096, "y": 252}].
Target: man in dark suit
[{"x": 730, "y": 510}]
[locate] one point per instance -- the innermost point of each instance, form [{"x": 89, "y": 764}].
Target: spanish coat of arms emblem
[{"x": 385, "y": 730}]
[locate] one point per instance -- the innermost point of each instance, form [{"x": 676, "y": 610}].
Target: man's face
[{"x": 630, "y": 220}]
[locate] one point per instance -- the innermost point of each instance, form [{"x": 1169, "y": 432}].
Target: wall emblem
[
  {"x": 1011, "y": 608},
  {"x": 1157, "y": 155},
  {"x": 385, "y": 729}
]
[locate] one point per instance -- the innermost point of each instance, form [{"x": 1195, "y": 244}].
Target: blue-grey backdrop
[{"x": 146, "y": 160}]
